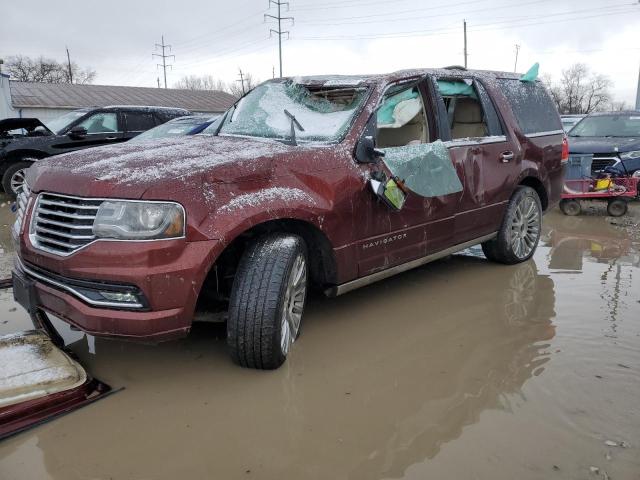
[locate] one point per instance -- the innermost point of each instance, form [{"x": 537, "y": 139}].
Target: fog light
[{"x": 120, "y": 297}]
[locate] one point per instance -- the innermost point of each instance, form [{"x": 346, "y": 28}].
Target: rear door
[
  {"x": 485, "y": 157},
  {"x": 137, "y": 122}
]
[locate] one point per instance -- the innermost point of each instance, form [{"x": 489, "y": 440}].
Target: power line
[
  {"x": 164, "y": 57},
  {"x": 279, "y": 31}
]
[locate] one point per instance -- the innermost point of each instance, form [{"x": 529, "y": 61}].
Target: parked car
[
  {"x": 613, "y": 138},
  {"x": 330, "y": 182},
  {"x": 79, "y": 129},
  {"x": 569, "y": 121},
  {"x": 190, "y": 125}
]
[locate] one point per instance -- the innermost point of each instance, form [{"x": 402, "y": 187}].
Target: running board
[{"x": 389, "y": 272}]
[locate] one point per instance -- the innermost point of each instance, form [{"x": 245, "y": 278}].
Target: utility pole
[
  {"x": 279, "y": 31},
  {"x": 158, "y": 79},
  {"x": 241, "y": 80},
  {"x": 69, "y": 66},
  {"x": 465, "y": 43},
  {"x": 515, "y": 65},
  {"x": 164, "y": 57}
]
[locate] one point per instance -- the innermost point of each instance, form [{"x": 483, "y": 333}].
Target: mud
[{"x": 460, "y": 369}]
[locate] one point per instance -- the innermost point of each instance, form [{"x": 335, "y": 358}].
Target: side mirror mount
[
  {"x": 77, "y": 132},
  {"x": 366, "y": 151}
]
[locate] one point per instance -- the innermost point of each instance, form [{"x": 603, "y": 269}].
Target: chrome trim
[
  {"x": 544, "y": 134},
  {"x": 375, "y": 277},
  {"x": 75, "y": 293},
  {"x": 38, "y": 198},
  {"x": 62, "y": 204},
  {"x": 463, "y": 143}
]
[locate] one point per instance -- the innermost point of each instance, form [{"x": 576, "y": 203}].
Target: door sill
[{"x": 389, "y": 272}]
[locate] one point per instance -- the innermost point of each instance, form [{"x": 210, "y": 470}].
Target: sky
[{"x": 218, "y": 38}]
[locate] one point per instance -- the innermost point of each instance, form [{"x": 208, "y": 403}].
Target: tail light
[{"x": 565, "y": 150}]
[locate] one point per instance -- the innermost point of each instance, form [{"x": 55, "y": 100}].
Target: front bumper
[{"x": 166, "y": 276}]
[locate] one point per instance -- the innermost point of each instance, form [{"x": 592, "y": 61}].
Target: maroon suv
[{"x": 330, "y": 182}]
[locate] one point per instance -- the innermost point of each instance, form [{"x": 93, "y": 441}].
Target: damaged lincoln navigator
[{"x": 329, "y": 182}]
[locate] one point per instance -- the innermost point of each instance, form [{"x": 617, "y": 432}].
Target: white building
[{"x": 46, "y": 101}]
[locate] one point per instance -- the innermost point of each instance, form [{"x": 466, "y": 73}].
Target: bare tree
[
  {"x": 46, "y": 70},
  {"x": 200, "y": 82},
  {"x": 579, "y": 90},
  {"x": 207, "y": 82},
  {"x": 619, "y": 106},
  {"x": 250, "y": 82}
]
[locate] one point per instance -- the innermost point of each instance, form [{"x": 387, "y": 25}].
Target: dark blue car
[
  {"x": 190, "y": 125},
  {"x": 613, "y": 138}
]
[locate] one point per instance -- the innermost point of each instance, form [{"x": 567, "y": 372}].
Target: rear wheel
[
  {"x": 519, "y": 233},
  {"x": 14, "y": 177},
  {"x": 617, "y": 207},
  {"x": 267, "y": 301},
  {"x": 570, "y": 207}
]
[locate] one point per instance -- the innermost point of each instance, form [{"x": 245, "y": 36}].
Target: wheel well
[
  {"x": 322, "y": 265},
  {"x": 18, "y": 155},
  {"x": 539, "y": 188}
]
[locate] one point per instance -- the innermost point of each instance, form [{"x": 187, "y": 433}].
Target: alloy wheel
[
  {"x": 17, "y": 180},
  {"x": 525, "y": 227},
  {"x": 293, "y": 304}
]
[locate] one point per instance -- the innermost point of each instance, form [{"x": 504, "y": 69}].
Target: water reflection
[{"x": 381, "y": 379}]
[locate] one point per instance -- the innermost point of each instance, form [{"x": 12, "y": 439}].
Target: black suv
[
  {"x": 613, "y": 138},
  {"x": 84, "y": 128}
]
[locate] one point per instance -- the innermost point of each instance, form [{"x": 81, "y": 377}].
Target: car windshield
[
  {"x": 619, "y": 125},
  {"x": 173, "y": 128},
  {"x": 57, "y": 125},
  {"x": 322, "y": 114}
]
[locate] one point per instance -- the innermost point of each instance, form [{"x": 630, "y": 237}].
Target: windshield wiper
[{"x": 294, "y": 124}]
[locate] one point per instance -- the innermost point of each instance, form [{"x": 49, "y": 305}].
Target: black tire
[
  {"x": 9, "y": 174},
  {"x": 617, "y": 207},
  {"x": 259, "y": 301},
  {"x": 570, "y": 207},
  {"x": 504, "y": 248}
]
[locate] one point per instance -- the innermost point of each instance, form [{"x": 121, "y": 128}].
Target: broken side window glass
[
  {"x": 425, "y": 169},
  {"x": 400, "y": 119}
]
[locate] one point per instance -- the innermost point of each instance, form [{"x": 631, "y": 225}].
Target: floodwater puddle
[{"x": 459, "y": 369}]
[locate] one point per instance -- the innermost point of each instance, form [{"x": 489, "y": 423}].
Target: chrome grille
[
  {"x": 63, "y": 224},
  {"x": 602, "y": 160}
]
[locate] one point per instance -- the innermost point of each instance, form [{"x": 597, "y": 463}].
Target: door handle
[
  {"x": 111, "y": 138},
  {"x": 506, "y": 157}
]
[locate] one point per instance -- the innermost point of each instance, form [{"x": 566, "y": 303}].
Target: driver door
[{"x": 103, "y": 128}]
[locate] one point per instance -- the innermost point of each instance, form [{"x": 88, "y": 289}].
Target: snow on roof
[{"x": 66, "y": 95}]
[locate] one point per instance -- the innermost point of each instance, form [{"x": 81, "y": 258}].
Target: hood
[
  {"x": 128, "y": 170},
  {"x": 603, "y": 144},
  {"x": 28, "y": 124}
]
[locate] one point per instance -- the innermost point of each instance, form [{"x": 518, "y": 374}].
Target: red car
[{"x": 328, "y": 182}]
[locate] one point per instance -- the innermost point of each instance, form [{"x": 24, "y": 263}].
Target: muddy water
[{"x": 461, "y": 369}]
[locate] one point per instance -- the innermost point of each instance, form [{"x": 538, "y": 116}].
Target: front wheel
[
  {"x": 267, "y": 301},
  {"x": 14, "y": 177},
  {"x": 519, "y": 233}
]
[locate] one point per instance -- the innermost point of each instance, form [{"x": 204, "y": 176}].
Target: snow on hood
[
  {"x": 603, "y": 144},
  {"x": 145, "y": 164}
]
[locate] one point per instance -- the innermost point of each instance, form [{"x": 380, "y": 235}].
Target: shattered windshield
[
  {"x": 57, "y": 125},
  {"x": 324, "y": 113},
  {"x": 608, "y": 126}
]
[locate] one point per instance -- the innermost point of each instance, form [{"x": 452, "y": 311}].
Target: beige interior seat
[{"x": 467, "y": 119}]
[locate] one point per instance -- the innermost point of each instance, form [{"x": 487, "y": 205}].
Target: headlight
[
  {"x": 139, "y": 220},
  {"x": 630, "y": 155}
]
